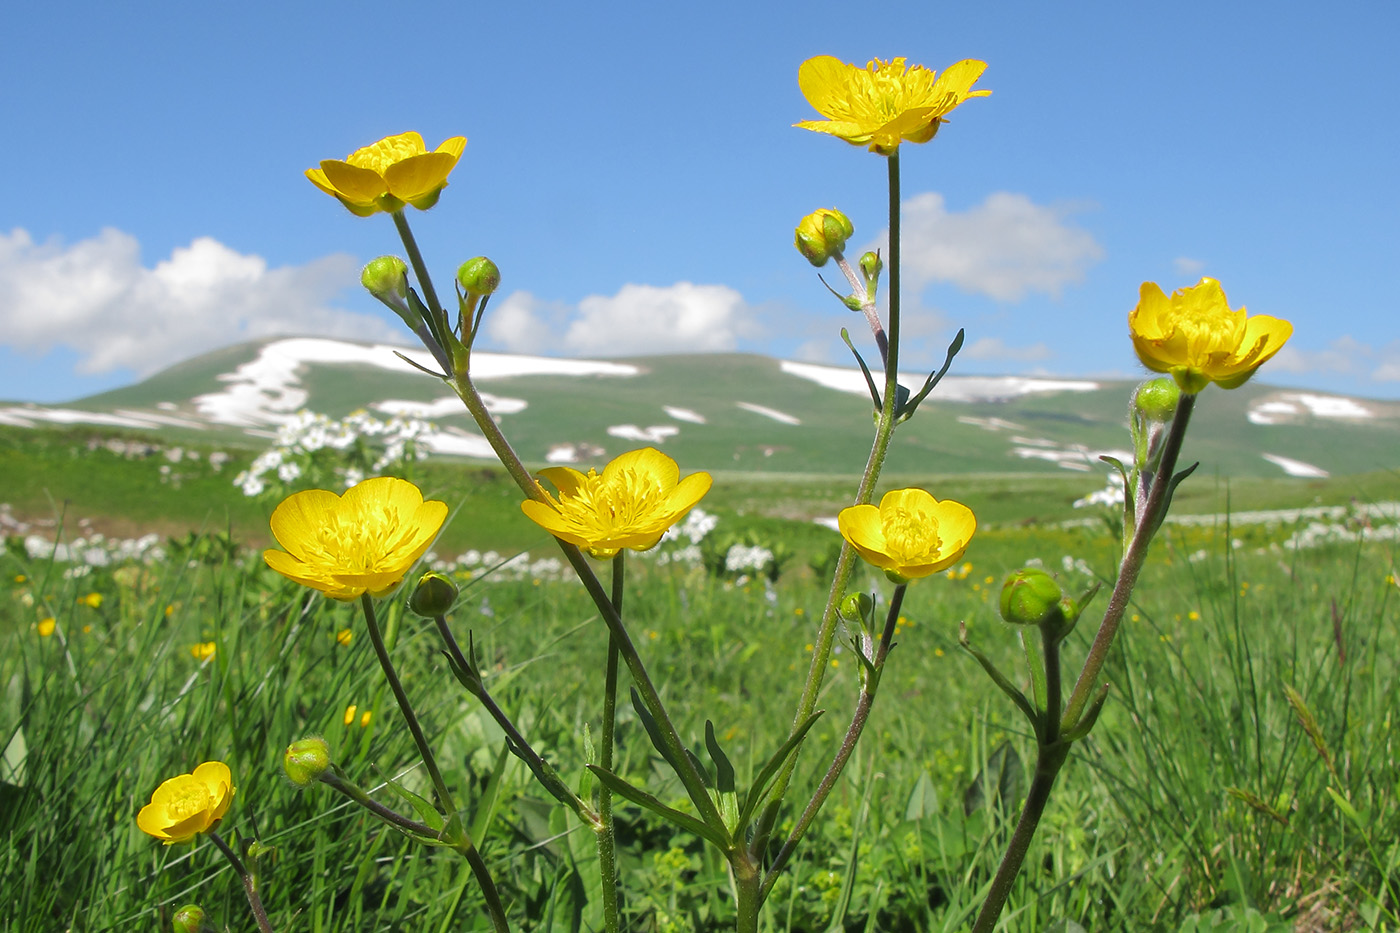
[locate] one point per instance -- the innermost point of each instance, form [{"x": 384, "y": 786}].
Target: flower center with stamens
[{"x": 911, "y": 534}]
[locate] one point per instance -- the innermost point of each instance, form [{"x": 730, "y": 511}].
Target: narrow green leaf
[
  {"x": 427, "y": 813},
  {"x": 869, "y": 381},
  {"x": 759, "y": 789},
  {"x": 642, "y": 799}
]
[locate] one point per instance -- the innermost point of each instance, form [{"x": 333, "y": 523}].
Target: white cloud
[
  {"x": 996, "y": 349},
  {"x": 95, "y": 297},
  {"x": 1005, "y": 247},
  {"x": 1186, "y": 266},
  {"x": 1345, "y": 355},
  {"x": 639, "y": 319}
]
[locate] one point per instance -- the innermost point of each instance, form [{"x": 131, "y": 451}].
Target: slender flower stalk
[
  {"x": 458, "y": 839},
  {"x": 884, "y": 431},
  {"x": 607, "y": 844},
  {"x": 250, "y": 884},
  {"x": 848, "y": 743},
  {"x": 1053, "y": 749},
  {"x": 461, "y": 383}
]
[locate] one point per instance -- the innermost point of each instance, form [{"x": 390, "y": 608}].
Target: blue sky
[{"x": 633, "y": 170}]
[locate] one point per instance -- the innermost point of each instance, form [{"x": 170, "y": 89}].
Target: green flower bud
[
  {"x": 1157, "y": 399},
  {"x": 479, "y": 276},
  {"x": 386, "y": 278},
  {"x": 433, "y": 596},
  {"x": 871, "y": 266},
  {"x": 188, "y": 919},
  {"x": 1031, "y": 596},
  {"x": 306, "y": 760},
  {"x": 856, "y": 607},
  {"x": 822, "y": 234}
]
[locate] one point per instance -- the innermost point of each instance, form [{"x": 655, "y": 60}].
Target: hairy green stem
[
  {"x": 607, "y": 846},
  {"x": 1053, "y": 750},
  {"x": 1133, "y": 560},
  {"x": 543, "y": 771},
  {"x": 420, "y": 269},
  {"x": 393, "y": 818},
  {"x": 689, "y": 775},
  {"x": 459, "y": 840},
  {"x": 845, "y": 564},
  {"x": 848, "y": 743},
  {"x": 250, "y": 885}
]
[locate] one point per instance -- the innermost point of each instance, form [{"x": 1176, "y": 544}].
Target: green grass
[{"x": 1161, "y": 821}]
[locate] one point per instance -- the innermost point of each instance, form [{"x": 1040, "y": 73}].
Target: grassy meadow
[{"x": 1205, "y": 799}]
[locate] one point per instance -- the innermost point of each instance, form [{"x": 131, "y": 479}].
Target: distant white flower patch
[
  {"x": 767, "y": 412},
  {"x": 1295, "y": 467},
  {"x": 683, "y": 414},
  {"x": 655, "y": 434},
  {"x": 1111, "y": 495}
]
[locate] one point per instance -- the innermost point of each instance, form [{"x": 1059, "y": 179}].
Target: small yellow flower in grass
[
  {"x": 350, "y": 712},
  {"x": 46, "y": 627},
  {"x": 203, "y": 651},
  {"x": 185, "y": 806},
  {"x": 344, "y": 637},
  {"x": 910, "y": 534},
  {"x": 91, "y": 600},
  {"x": 365, "y": 717},
  {"x": 883, "y": 103},
  {"x": 363, "y": 541},
  {"x": 385, "y": 176},
  {"x": 1196, "y": 337},
  {"x": 631, "y": 505}
]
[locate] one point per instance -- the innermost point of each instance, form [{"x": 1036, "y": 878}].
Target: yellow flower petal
[
  {"x": 911, "y": 534},
  {"x": 189, "y": 804},
  {"x": 631, "y": 505},
  {"x": 363, "y": 541},
  {"x": 1197, "y": 337},
  {"x": 385, "y": 175},
  {"x": 883, "y": 104}
]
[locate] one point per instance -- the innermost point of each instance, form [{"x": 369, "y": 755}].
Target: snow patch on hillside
[
  {"x": 267, "y": 389},
  {"x": 1290, "y": 406},
  {"x": 653, "y": 434},
  {"x": 449, "y": 405},
  {"x": 951, "y": 389},
  {"x": 683, "y": 414},
  {"x": 767, "y": 412},
  {"x": 1295, "y": 467}
]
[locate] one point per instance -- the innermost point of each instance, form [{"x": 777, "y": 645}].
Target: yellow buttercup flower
[
  {"x": 1196, "y": 337},
  {"x": 881, "y": 104},
  {"x": 46, "y": 626},
  {"x": 395, "y": 171},
  {"x": 910, "y": 534},
  {"x": 363, "y": 541},
  {"x": 185, "y": 806},
  {"x": 203, "y": 650},
  {"x": 638, "y": 496}
]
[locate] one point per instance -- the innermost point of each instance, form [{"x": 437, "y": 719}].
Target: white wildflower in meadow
[
  {"x": 1111, "y": 495},
  {"x": 306, "y": 433},
  {"x": 744, "y": 557}
]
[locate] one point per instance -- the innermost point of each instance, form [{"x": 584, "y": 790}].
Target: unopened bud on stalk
[
  {"x": 306, "y": 760},
  {"x": 856, "y": 607},
  {"x": 822, "y": 234},
  {"x": 433, "y": 596},
  {"x": 1031, "y": 596},
  {"x": 1157, "y": 399},
  {"x": 386, "y": 278},
  {"x": 479, "y": 276},
  {"x": 188, "y": 919}
]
